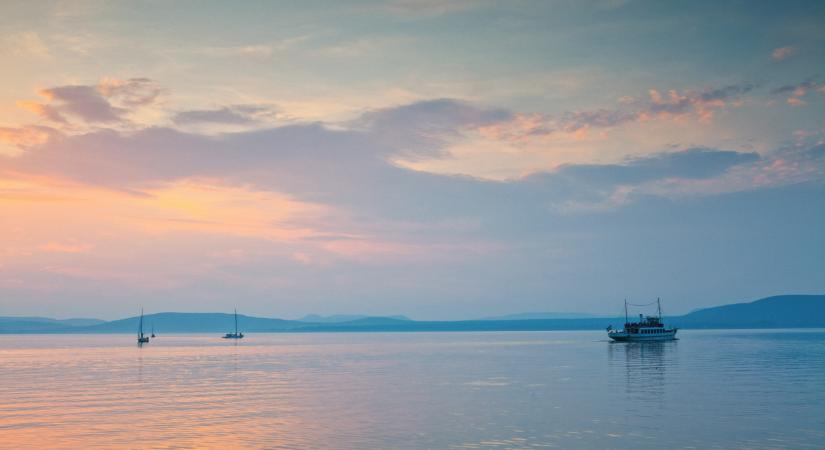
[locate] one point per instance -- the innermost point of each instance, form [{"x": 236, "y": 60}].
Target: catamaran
[
  {"x": 236, "y": 334},
  {"x": 648, "y": 328},
  {"x": 140, "y": 337}
]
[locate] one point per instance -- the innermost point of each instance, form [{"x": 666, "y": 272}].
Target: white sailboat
[
  {"x": 648, "y": 328},
  {"x": 141, "y": 338},
  {"x": 236, "y": 334}
]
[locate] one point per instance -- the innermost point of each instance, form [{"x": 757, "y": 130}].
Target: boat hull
[{"x": 622, "y": 336}]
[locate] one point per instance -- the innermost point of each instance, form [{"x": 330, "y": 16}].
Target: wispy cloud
[
  {"x": 254, "y": 50},
  {"x": 700, "y": 104},
  {"x": 796, "y": 92},
  {"x": 232, "y": 115},
  {"x": 27, "y": 43}
]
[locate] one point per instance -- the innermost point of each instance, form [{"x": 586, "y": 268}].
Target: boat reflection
[{"x": 641, "y": 367}]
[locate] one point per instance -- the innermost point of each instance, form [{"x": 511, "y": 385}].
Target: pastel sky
[{"x": 439, "y": 159}]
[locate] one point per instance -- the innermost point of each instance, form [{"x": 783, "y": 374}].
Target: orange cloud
[
  {"x": 210, "y": 207},
  {"x": 25, "y": 136},
  {"x": 43, "y": 110}
]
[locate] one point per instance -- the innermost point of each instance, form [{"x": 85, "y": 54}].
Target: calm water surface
[{"x": 710, "y": 389}]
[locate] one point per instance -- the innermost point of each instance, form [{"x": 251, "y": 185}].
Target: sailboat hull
[{"x": 237, "y": 334}]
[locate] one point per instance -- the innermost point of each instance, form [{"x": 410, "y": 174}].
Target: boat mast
[
  {"x": 659, "y": 307},
  {"x": 140, "y": 326},
  {"x": 236, "y": 321},
  {"x": 625, "y": 311}
]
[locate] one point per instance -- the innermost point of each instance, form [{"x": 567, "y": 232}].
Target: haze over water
[{"x": 710, "y": 389}]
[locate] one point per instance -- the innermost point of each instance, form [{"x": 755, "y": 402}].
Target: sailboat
[
  {"x": 140, "y": 337},
  {"x": 236, "y": 334},
  {"x": 153, "y": 330}
]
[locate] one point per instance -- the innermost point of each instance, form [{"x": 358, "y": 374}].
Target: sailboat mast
[
  {"x": 140, "y": 326},
  {"x": 236, "y": 320},
  {"x": 659, "y": 307}
]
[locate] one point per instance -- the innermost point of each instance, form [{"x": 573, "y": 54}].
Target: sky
[{"x": 438, "y": 159}]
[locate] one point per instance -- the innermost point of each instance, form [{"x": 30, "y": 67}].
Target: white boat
[
  {"x": 648, "y": 328},
  {"x": 236, "y": 334},
  {"x": 141, "y": 338}
]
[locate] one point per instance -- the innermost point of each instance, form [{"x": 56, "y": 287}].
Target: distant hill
[
  {"x": 540, "y": 316},
  {"x": 175, "y": 322},
  {"x": 781, "y": 311},
  {"x": 785, "y": 311},
  {"x": 70, "y": 322},
  {"x": 339, "y": 318},
  {"x": 43, "y": 324}
]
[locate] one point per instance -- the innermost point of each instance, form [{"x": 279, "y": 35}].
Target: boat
[
  {"x": 153, "y": 330},
  {"x": 236, "y": 334},
  {"x": 141, "y": 338},
  {"x": 648, "y": 328}
]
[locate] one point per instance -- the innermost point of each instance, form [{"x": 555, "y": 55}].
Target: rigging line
[{"x": 646, "y": 304}]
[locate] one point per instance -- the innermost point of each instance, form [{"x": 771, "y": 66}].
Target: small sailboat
[
  {"x": 648, "y": 328},
  {"x": 236, "y": 334},
  {"x": 141, "y": 338},
  {"x": 153, "y": 330}
]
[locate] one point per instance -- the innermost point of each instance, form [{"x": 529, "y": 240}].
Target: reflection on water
[
  {"x": 644, "y": 366},
  {"x": 723, "y": 389}
]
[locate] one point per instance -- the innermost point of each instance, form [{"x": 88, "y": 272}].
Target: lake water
[{"x": 525, "y": 390}]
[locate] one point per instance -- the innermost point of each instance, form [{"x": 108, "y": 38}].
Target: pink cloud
[
  {"x": 783, "y": 53},
  {"x": 796, "y": 101}
]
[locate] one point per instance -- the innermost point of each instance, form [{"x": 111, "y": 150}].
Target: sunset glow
[{"x": 419, "y": 157}]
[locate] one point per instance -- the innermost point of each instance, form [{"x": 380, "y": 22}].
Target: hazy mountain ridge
[
  {"x": 339, "y": 318},
  {"x": 785, "y": 311},
  {"x": 771, "y": 312},
  {"x": 541, "y": 316},
  {"x": 44, "y": 324},
  {"x": 75, "y": 322}
]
